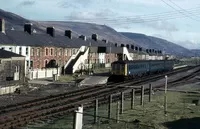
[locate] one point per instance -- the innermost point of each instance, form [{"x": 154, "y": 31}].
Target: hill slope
[{"x": 157, "y": 43}]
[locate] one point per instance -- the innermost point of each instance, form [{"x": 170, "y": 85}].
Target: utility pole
[
  {"x": 110, "y": 54},
  {"x": 89, "y": 59},
  {"x": 165, "y": 97}
]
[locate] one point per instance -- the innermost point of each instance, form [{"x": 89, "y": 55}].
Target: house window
[
  {"x": 16, "y": 69},
  {"x": 55, "y": 51},
  {"x": 66, "y": 52},
  {"x": 51, "y": 51},
  {"x": 10, "y": 49},
  {"x": 47, "y": 52},
  {"x": 20, "y": 50},
  {"x": 60, "y": 52},
  {"x": 26, "y": 50},
  {"x": 27, "y": 63},
  {"x": 74, "y": 51},
  {"x": 32, "y": 52},
  {"x": 31, "y": 64},
  {"x": 38, "y": 52},
  {"x": 70, "y": 54}
]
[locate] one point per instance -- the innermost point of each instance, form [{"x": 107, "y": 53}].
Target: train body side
[{"x": 135, "y": 68}]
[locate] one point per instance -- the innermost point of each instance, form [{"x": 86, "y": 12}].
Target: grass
[
  {"x": 180, "y": 108},
  {"x": 101, "y": 70},
  {"x": 66, "y": 78}
]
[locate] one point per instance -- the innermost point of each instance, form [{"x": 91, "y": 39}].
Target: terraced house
[{"x": 48, "y": 53}]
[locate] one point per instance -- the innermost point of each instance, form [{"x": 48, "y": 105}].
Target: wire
[
  {"x": 140, "y": 18},
  {"x": 179, "y": 10},
  {"x": 180, "y": 7}
]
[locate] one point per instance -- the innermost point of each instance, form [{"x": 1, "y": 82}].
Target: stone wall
[{"x": 12, "y": 68}]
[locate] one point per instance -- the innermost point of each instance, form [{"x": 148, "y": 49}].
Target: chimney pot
[
  {"x": 51, "y": 31},
  {"x": 104, "y": 40},
  {"x": 68, "y": 33},
  {"x": 83, "y": 37}
]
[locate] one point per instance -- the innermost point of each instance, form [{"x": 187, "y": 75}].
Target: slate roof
[
  {"x": 7, "y": 54},
  {"x": 14, "y": 37}
]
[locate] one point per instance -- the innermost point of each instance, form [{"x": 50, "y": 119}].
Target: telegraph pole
[
  {"x": 165, "y": 97},
  {"x": 89, "y": 59}
]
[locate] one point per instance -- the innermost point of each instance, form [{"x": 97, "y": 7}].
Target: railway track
[{"x": 44, "y": 108}]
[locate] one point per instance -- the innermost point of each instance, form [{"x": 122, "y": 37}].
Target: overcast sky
[{"x": 174, "y": 20}]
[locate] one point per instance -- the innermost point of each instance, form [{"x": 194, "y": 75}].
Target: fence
[
  {"x": 43, "y": 73},
  {"x": 126, "y": 111}
]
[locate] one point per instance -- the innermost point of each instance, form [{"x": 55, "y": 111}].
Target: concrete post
[
  {"x": 122, "y": 103},
  {"x": 117, "y": 112},
  {"x": 78, "y": 118},
  {"x": 132, "y": 98},
  {"x": 150, "y": 92},
  {"x": 142, "y": 96},
  {"x": 110, "y": 107},
  {"x": 96, "y": 111}
]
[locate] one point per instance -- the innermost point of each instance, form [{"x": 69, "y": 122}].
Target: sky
[{"x": 174, "y": 20}]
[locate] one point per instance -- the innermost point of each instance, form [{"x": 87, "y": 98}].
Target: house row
[{"x": 68, "y": 53}]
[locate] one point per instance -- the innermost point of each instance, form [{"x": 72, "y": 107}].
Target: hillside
[
  {"x": 196, "y": 52},
  {"x": 158, "y": 43},
  {"x": 104, "y": 32}
]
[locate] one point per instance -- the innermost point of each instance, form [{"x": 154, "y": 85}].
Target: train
[{"x": 137, "y": 68}]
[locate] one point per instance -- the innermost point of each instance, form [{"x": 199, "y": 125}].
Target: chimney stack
[
  {"x": 2, "y": 25},
  {"x": 104, "y": 40},
  {"x": 68, "y": 33},
  {"x": 127, "y": 46},
  {"x": 51, "y": 31},
  {"x": 122, "y": 45},
  {"x": 136, "y": 48},
  {"x": 83, "y": 37},
  {"x": 140, "y": 49},
  {"x": 95, "y": 37},
  {"x": 147, "y": 50},
  {"x": 28, "y": 28},
  {"x": 115, "y": 44},
  {"x": 132, "y": 47}
]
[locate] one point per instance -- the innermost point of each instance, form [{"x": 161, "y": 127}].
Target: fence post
[
  {"x": 117, "y": 112},
  {"x": 142, "y": 96},
  {"x": 78, "y": 118},
  {"x": 110, "y": 107},
  {"x": 150, "y": 92},
  {"x": 96, "y": 111},
  {"x": 122, "y": 103},
  {"x": 132, "y": 98}
]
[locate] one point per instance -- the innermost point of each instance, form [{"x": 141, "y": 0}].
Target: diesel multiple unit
[{"x": 140, "y": 67}]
